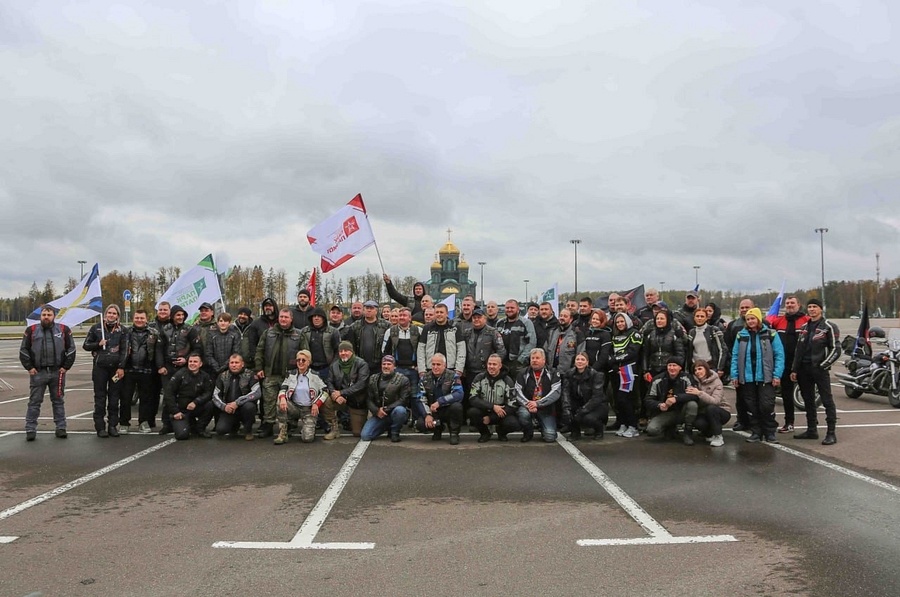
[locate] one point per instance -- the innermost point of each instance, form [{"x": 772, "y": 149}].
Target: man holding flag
[{"x": 47, "y": 352}]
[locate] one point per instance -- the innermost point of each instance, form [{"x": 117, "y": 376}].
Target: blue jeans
[
  {"x": 546, "y": 418},
  {"x": 394, "y": 421}
]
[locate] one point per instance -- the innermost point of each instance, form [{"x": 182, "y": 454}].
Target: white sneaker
[
  {"x": 621, "y": 430},
  {"x": 145, "y": 427},
  {"x": 124, "y": 429},
  {"x": 717, "y": 441},
  {"x": 631, "y": 432}
]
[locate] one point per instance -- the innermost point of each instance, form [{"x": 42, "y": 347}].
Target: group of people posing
[{"x": 298, "y": 369}]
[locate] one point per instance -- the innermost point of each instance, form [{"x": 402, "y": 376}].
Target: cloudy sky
[{"x": 662, "y": 134}]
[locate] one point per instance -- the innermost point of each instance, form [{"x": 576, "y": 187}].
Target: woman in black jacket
[{"x": 583, "y": 399}]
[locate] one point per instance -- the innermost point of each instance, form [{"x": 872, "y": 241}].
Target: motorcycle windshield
[{"x": 894, "y": 339}]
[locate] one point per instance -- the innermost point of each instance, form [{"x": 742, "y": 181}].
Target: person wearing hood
[
  {"x": 268, "y": 318},
  {"x": 757, "y": 364},
  {"x": 414, "y": 302},
  {"x": 322, "y": 342},
  {"x": 174, "y": 347},
  {"x": 302, "y": 310},
  {"x": 788, "y": 328},
  {"x": 626, "y": 353},
  {"x": 107, "y": 342},
  {"x": 714, "y": 315},
  {"x": 346, "y": 391}
]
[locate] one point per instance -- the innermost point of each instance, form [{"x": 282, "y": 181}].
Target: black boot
[
  {"x": 688, "y": 435},
  {"x": 265, "y": 430},
  {"x": 810, "y": 433},
  {"x": 575, "y": 433},
  {"x": 830, "y": 438}
]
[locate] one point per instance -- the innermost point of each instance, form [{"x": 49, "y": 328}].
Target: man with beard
[
  {"x": 322, "y": 342},
  {"x": 788, "y": 328},
  {"x": 685, "y": 315},
  {"x": 562, "y": 343},
  {"x": 141, "y": 375},
  {"x": 200, "y": 335},
  {"x": 47, "y": 352},
  {"x": 187, "y": 398},
  {"x": 108, "y": 343},
  {"x": 267, "y": 320},
  {"x": 275, "y": 356},
  {"x": 440, "y": 401},
  {"x": 346, "y": 391},
  {"x": 518, "y": 338},
  {"x": 493, "y": 402},
  {"x": 414, "y": 302},
  {"x": 302, "y": 310},
  {"x": 235, "y": 394},
  {"x": 401, "y": 341},
  {"x": 544, "y": 322},
  {"x": 582, "y": 322},
  {"x": 537, "y": 391},
  {"x": 466, "y": 307}
]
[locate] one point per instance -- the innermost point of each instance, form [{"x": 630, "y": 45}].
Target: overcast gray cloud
[{"x": 662, "y": 134}]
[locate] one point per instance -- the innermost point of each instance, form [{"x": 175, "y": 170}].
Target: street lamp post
[
  {"x": 822, "y": 232},
  {"x": 894, "y": 300},
  {"x": 576, "y": 242},
  {"x": 81, "y": 262},
  {"x": 697, "y": 276},
  {"x": 526, "y": 290},
  {"x": 482, "y": 264}
]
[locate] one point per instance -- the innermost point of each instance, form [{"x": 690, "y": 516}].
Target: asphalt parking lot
[{"x": 144, "y": 515}]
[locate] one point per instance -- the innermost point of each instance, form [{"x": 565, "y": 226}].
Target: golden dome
[
  {"x": 449, "y": 248},
  {"x": 462, "y": 263},
  {"x": 436, "y": 264}
]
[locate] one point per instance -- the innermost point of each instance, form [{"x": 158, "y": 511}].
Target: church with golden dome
[{"x": 449, "y": 273}]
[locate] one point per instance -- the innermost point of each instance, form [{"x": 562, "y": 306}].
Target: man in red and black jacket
[{"x": 787, "y": 326}]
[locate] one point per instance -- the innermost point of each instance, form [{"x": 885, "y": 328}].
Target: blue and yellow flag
[{"x": 80, "y": 304}]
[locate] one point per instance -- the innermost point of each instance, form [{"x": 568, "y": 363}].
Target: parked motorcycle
[
  {"x": 878, "y": 374},
  {"x": 798, "y": 398}
]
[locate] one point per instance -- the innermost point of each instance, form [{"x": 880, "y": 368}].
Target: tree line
[{"x": 241, "y": 286}]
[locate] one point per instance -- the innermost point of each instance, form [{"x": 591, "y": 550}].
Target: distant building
[{"x": 449, "y": 274}]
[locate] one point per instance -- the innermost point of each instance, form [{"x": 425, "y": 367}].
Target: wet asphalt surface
[{"x": 481, "y": 519}]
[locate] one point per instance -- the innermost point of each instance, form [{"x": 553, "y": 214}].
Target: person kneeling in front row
[
  {"x": 299, "y": 400},
  {"x": 493, "y": 400},
  {"x": 440, "y": 401},
  {"x": 388, "y": 397},
  {"x": 669, "y": 403},
  {"x": 537, "y": 389}
]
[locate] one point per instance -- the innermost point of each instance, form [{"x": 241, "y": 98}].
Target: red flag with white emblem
[
  {"x": 342, "y": 236},
  {"x": 311, "y": 288}
]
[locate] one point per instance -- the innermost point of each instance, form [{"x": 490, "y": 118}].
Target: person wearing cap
[
  {"x": 481, "y": 342},
  {"x": 336, "y": 319},
  {"x": 242, "y": 322},
  {"x": 322, "y": 342},
  {"x": 367, "y": 335},
  {"x": 685, "y": 315},
  {"x": 757, "y": 363},
  {"x": 668, "y": 403},
  {"x": 107, "y": 342},
  {"x": 174, "y": 347},
  {"x": 818, "y": 348},
  {"x": 199, "y": 335},
  {"x": 538, "y": 389},
  {"x": 275, "y": 357},
  {"x": 302, "y": 310},
  {"x": 346, "y": 391},
  {"x": 440, "y": 401},
  {"x": 388, "y": 397},
  {"x": 299, "y": 400},
  {"x": 47, "y": 352},
  {"x": 532, "y": 311}
]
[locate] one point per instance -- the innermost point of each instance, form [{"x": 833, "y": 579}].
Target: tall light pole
[
  {"x": 697, "y": 276},
  {"x": 576, "y": 242},
  {"x": 662, "y": 288},
  {"x": 526, "y": 290},
  {"x": 894, "y": 300},
  {"x": 822, "y": 232},
  {"x": 482, "y": 264},
  {"x": 81, "y": 262}
]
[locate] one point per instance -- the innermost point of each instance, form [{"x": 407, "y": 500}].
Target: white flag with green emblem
[
  {"x": 551, "y": 295},
  {"x": 198, "y": 285}
]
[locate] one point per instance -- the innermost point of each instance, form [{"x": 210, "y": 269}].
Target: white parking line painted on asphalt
[
  {"x": 77, "y": 482},
  {"x": 26, "y": 397},
  {"x": 658, "y": 533},
  {"x": 5, "y": 433},
  {"x": 886, "y": 410},
  {"x": 304, "y": 539}
]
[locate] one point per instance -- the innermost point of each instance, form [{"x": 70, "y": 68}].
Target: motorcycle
[
  {"x": 799, "y": 405},
  {"x": 877, "y": 374}
]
